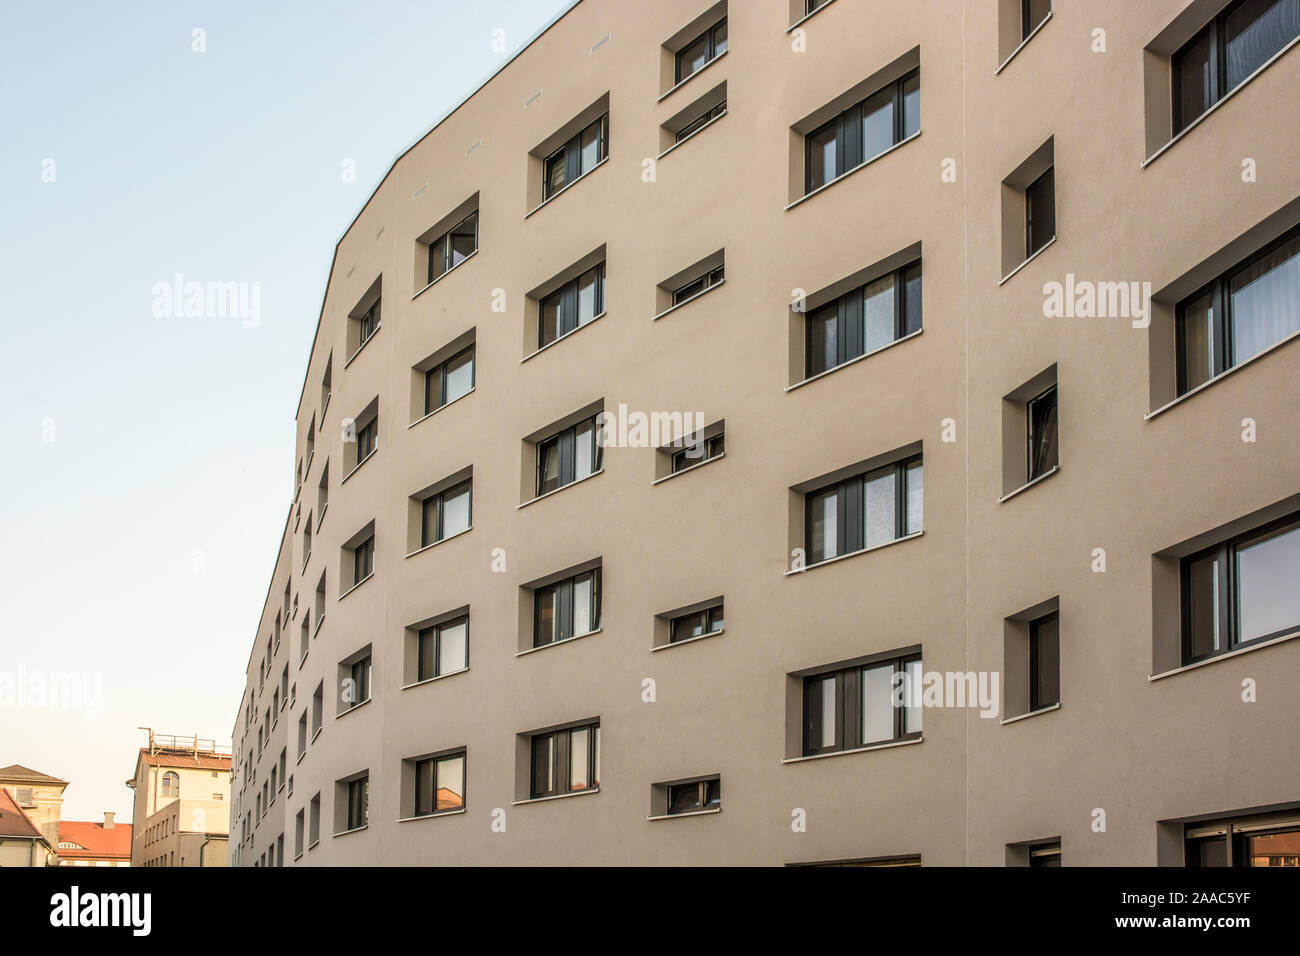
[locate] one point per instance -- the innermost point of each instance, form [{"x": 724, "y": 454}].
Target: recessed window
[
  {"x": 358, "y": 797},
  {"x": 571, "y": 306},
  {"x": 1045, "y": 855},
  {"x": 1242, "y": 591},
  {"x": 864, "y": 320},
  {"x": 453, "y": 247},
  {"x": 363, "y": 559},
  {"x": 447, "y": 382},
  {"x": 1254, "y": 305},
  {"x": 565, "y": 609},
  {"x": 368, "y": 323},
  {"x": 356, "y": 685},
  {"x": 695, "y": 624},
  {"x": 299, "y": 832},
  {"x": 863, "y": 131},
  {"x": 302, "y": 734},
  {"x": 699, "y": 52},
  {"x": 317, "y": 708},
  {"x": 171, "y": 784},
  {"x": 1040, "y": 212},
  {"x": 704, "y": 119},
  {"x": 865, "y": 511},
  {"x": 571, "y": 454},
  {"x": 326, "y": 386},
  {"x": 439, "y": 784},
  {"x": 442, "y": 649},
  {"x": 1263, "y": 840},
  {"x": 1032, "y": 14},
  {"x": 698, "y": 453},
  {"x": 313, "y": 821},
  {"x": 855, "y": 707},
  {"x": 445, "y": 514},
  {"x": 694, "y": 796},
  {"x": 367, "y": 439},
  {"x": 1234, "y": 45},
  {"x": 1040, "y": 415},
  {"x": 577, "y": 157},
  {"x": 565, "y": 761},
  {"x": 1045, "y": 661},
  {"x": 323, "y": 493},
  {"x": 693, "y": 288}
]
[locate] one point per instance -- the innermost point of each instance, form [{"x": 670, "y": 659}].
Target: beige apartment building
[
  {"x": 181, "y": 809},
  {"x": 715, "y": 369}
]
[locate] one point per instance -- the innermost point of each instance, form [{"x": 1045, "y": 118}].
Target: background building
[
  {"x": 38, "y": 795},
  {"x": 95, "y": 843},
  {"x": 897, "y": 256},
  {"x": 21, "y": 841},
  {"x": 182, "y": 803}
]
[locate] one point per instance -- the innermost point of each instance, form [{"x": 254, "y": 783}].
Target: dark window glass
[
  {"x": 573, "y": 453},
  {"x": 358, "y": 803},
  {"x": 368, "y": 323},
  {"x": 863, "y": 131},
  {"x": 1040, "y": 415},
  {"x": 1045, "y": 856},
  {"x": 694, "y": 796},
  {"x": 367, "y": 439},
  {"x": 1242, "y": 591},
  {"x": 449, "y": 381},
  {"x": 698, "y": 453},
  {"x": 696, "y": 624},
  {"x": 443, "y": 649},
  {"x": 1243, "y": 312},
  {"x": 865, "y": 511},
  {"x": 695, "y": 125},
  {"x": 864, "y": 320},
  {"x": 692, "y": 57},
  {"x": 577, "y": 157},
  {"x": 439, "y": 784},
  {"x": 568, "y": 608},
  {"x": 565, "y": 761},
  {"x": 859, "y": 706},
  {"x": 1032, "y": 13},
  {"x": 1040, "y": 212},
  {"x": 1045, "y": 661},
  {"x": 1271, "y": 840},
  {"x": 454, "y": 246},
  {"x": 360, "y": 675},
  {"x": 445, "y": 514},
  {"x": 572, "y": 305}
]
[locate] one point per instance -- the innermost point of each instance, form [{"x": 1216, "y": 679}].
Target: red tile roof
[
  {"x": 13, "y": 822},
  {"x": 186, "y": 758},
  {"x": 96, "y": 842}
]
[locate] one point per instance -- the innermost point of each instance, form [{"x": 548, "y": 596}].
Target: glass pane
[
  {"x": 587, "y": 297},
  {"x": 821, "y": 157},
  {"x": 426, "y": 655},
  {"x": 1194, "y": 81},
  {"x": 579, "y": 759},
  {"x": 437, "y": 262},
  {"x": 1042, "y": 434},
  {"x": 911, "y": 299},
  {"x": 912, "y": 106},
  {"x": 716, "y": 619},
  {"x": 1211, "y": 851},
  {"x": 877, "y": 704},
  {"x": 1040, "y": 206},
  {"x": 689, "y": 290},
  {"x": 824, "y": 543},
  {"x": 1268, "y": 599},
  {"x": 595, "y": 746},
  {"x": 720, "y": 38},
  {"x": 584, "y": 448},
  {"x": 459, "y": 376},
  {"x": 451, "y": 783},
  {"x": 582, "y": 604},
  {"x": 1196, "y": 341},
  {"x": 823, "y": 340},
  {"x": 912, "y": 701},
  {"x": 692, "y": 625},
  {"x": 1265, "y": 301},
  {"x": 545, "y": 615},
  {"x": 555, "y": 173},
  {"x": 878, "y": 123},
  {"x": 1273, "y": 849},
  {"x": 1046, "y": 655},
  {"x": 827, "y": 693},
  {"x": 464, "y": 240},
  {"x": 543, "y": 765},
  {"x": 1035, "y": 13},
  {"x": 1203, "y": 606},
  {"x": 881, "y": 507},
  {"x": 590, "y": 147},
  {"x": 915, "y": 498},
  {"x": 455, "y": 512},
  {"x": 550, "y": 470},
  {"x": 550, "y": 323},
  {"x": 878, "y": 313},
  {"x": 713, "y": 793},
  {"x": 692, "y": 58},
  {"x": 684, "y": 798},
  {"x": 1255, "y": 31},
  {"x": 423, "y": 787},
  {"x": 428, "y": 520},
  {"x": 453, "y": 647}
]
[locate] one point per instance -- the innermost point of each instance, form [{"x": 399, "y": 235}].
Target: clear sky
[{"x": 146, "y": 462}]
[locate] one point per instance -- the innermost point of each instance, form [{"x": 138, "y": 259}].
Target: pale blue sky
[{"x": 173, "y": 437}]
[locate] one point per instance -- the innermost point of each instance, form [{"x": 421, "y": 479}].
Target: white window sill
[
  {"x": 353, "y": 709},
  {"x": 685, "y": 302},
  {"x": 305, "y": 558},
  {"x": 428, "y": 415},
  {"x": 317, "y": 733},
  {"x": 362, "y": 347},
  {"x": 567, "y": 640},
  {"x": 556, "y": 491},
  {"x": 686, "y": 139},
  {"x": 856, "y": 750},
  {"x": 447, "y": 273},
  {"x": 686, "y": 79},
  {"x": 313, "y": 845},
  {"x": 355, "y": 468},
  {"x": 1023, "y": 43},
  {"x": 854, "y": 554},
  {"x": 847, "y": 173},
  {"x": 301, "y": 757},
  {"x": 1294, "y": 336},
  {"x": 357, "y": 585},
  {"x": 434, "y": 544},
  {"x": 688, "y": 640},
  {"x": 689, "y": 813},
  {"x": 320, "y": 520},
  {"x": 565, "y": 188},
  {"x": 1029, "y": 484},
  {"x": 1038, "y": 252},
  {"x": 1032, "y": 713},
  {"x": 689, "y": 468},
  {"x": 853, "y": 361},
  {"x": 1225, "y": 656},
  {"x": 560, "y": 338},
  {"x": 807, "y": 16},
  {"x": 430, "y": 680},
  {"x": 364, "y": 826},
  {"x": 316, "y": 630},
  {"x": 558, "y": 796},
  {"x": 432, "y": 816}
]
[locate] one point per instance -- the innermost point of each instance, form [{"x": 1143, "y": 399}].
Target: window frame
[
  {"x": 358, "y": 792},
  {"x": 368, "y": 323},
  {"x": 846, "y": 349},
  {"x": 713, "y": 614},
  {"x": 1032, "y": 438},
  {"x": 844, "y": 487},
  {"x": 439, "y": 374},
  {"x": 363, "y": 558},
  {"x": 850, "y": 146},
  {"x": 714, "y": 447},
  {"x": 709, "y": 36},
  {"x": 848, "y": 707},
  {"x": 1026, "y": 16},
  {"x": 560, "y": 760},
  {"x": 1030, "y": 248},
  {"x": 568, "y": 157},
  {"x": 701, "y": 121},
  {"x": 433, "y": 778},
  {"x": 562, "y": 610},
  {"x": 436, "y": 649},
  {"x": 705, "y": 282},
  {"x": 566, "y": 296},
  {"x": 439, "y": 519},
  {"x": 708, "y": 796},
  {"x": 443, "y": 244},
  {"x": 565, "y": 441},
  {"x": 1036, "y": 663}
]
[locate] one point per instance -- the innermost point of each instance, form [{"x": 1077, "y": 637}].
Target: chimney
[{"x": 108, "y": 819}]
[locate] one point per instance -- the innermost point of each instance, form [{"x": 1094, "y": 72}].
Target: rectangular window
[
  {"x": 317, "y": 707},
  {"x": 1254, "y": 305},
  {"x": 445, "y": 514},
  {"x": 358, "y": 802},
  {"x": 565, "y": 761},
  {"x": 368, "y": 323},
  {"x": 443, "y": 649},
  {"x": 445, "y": 383},
  {"x": 568, "y": 608},
  {"x": 313, "y": 830},
  {"x": 864, "y": 320},
  {"x": 363, "y": 560},
  {"x": 302, "y": 734},
  {"x": 699, "y": 453},
  {"x": 569, "y": 455},
  {"x": 299, "y": 832},
  {"x": 1040, "y": 416},
  {"x": 458, "y": 244},
  {"x": 1033, "y": 13},
  {"x": 865, "y": 511},
  {"x": 359, "y": 689},
  {"x": 576, "y": 158},
  {"x": 440, "y": 784},
  {"x": 1045, "y": 855},
  {"x": 1268, "y": 840},
  {"x": 699, "y": 52},
  {"x": 1242, "y": 591},
  {"x": 1045, "y": 661},
  {"x": 696, "y": 624},
  {"x": 697, "y": 124},
  {"x": 367, "y": 439},
  {"x": 862, "y": 705},
  {"x": 571, "y": 306},
  {"x": 863, "y": 131},
  {"x": 1040, "y": 212},
  {"x": 695, "y": 796},
  {"x": 1232, "y": 47},
  {"x": 696, "y": 286}
]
